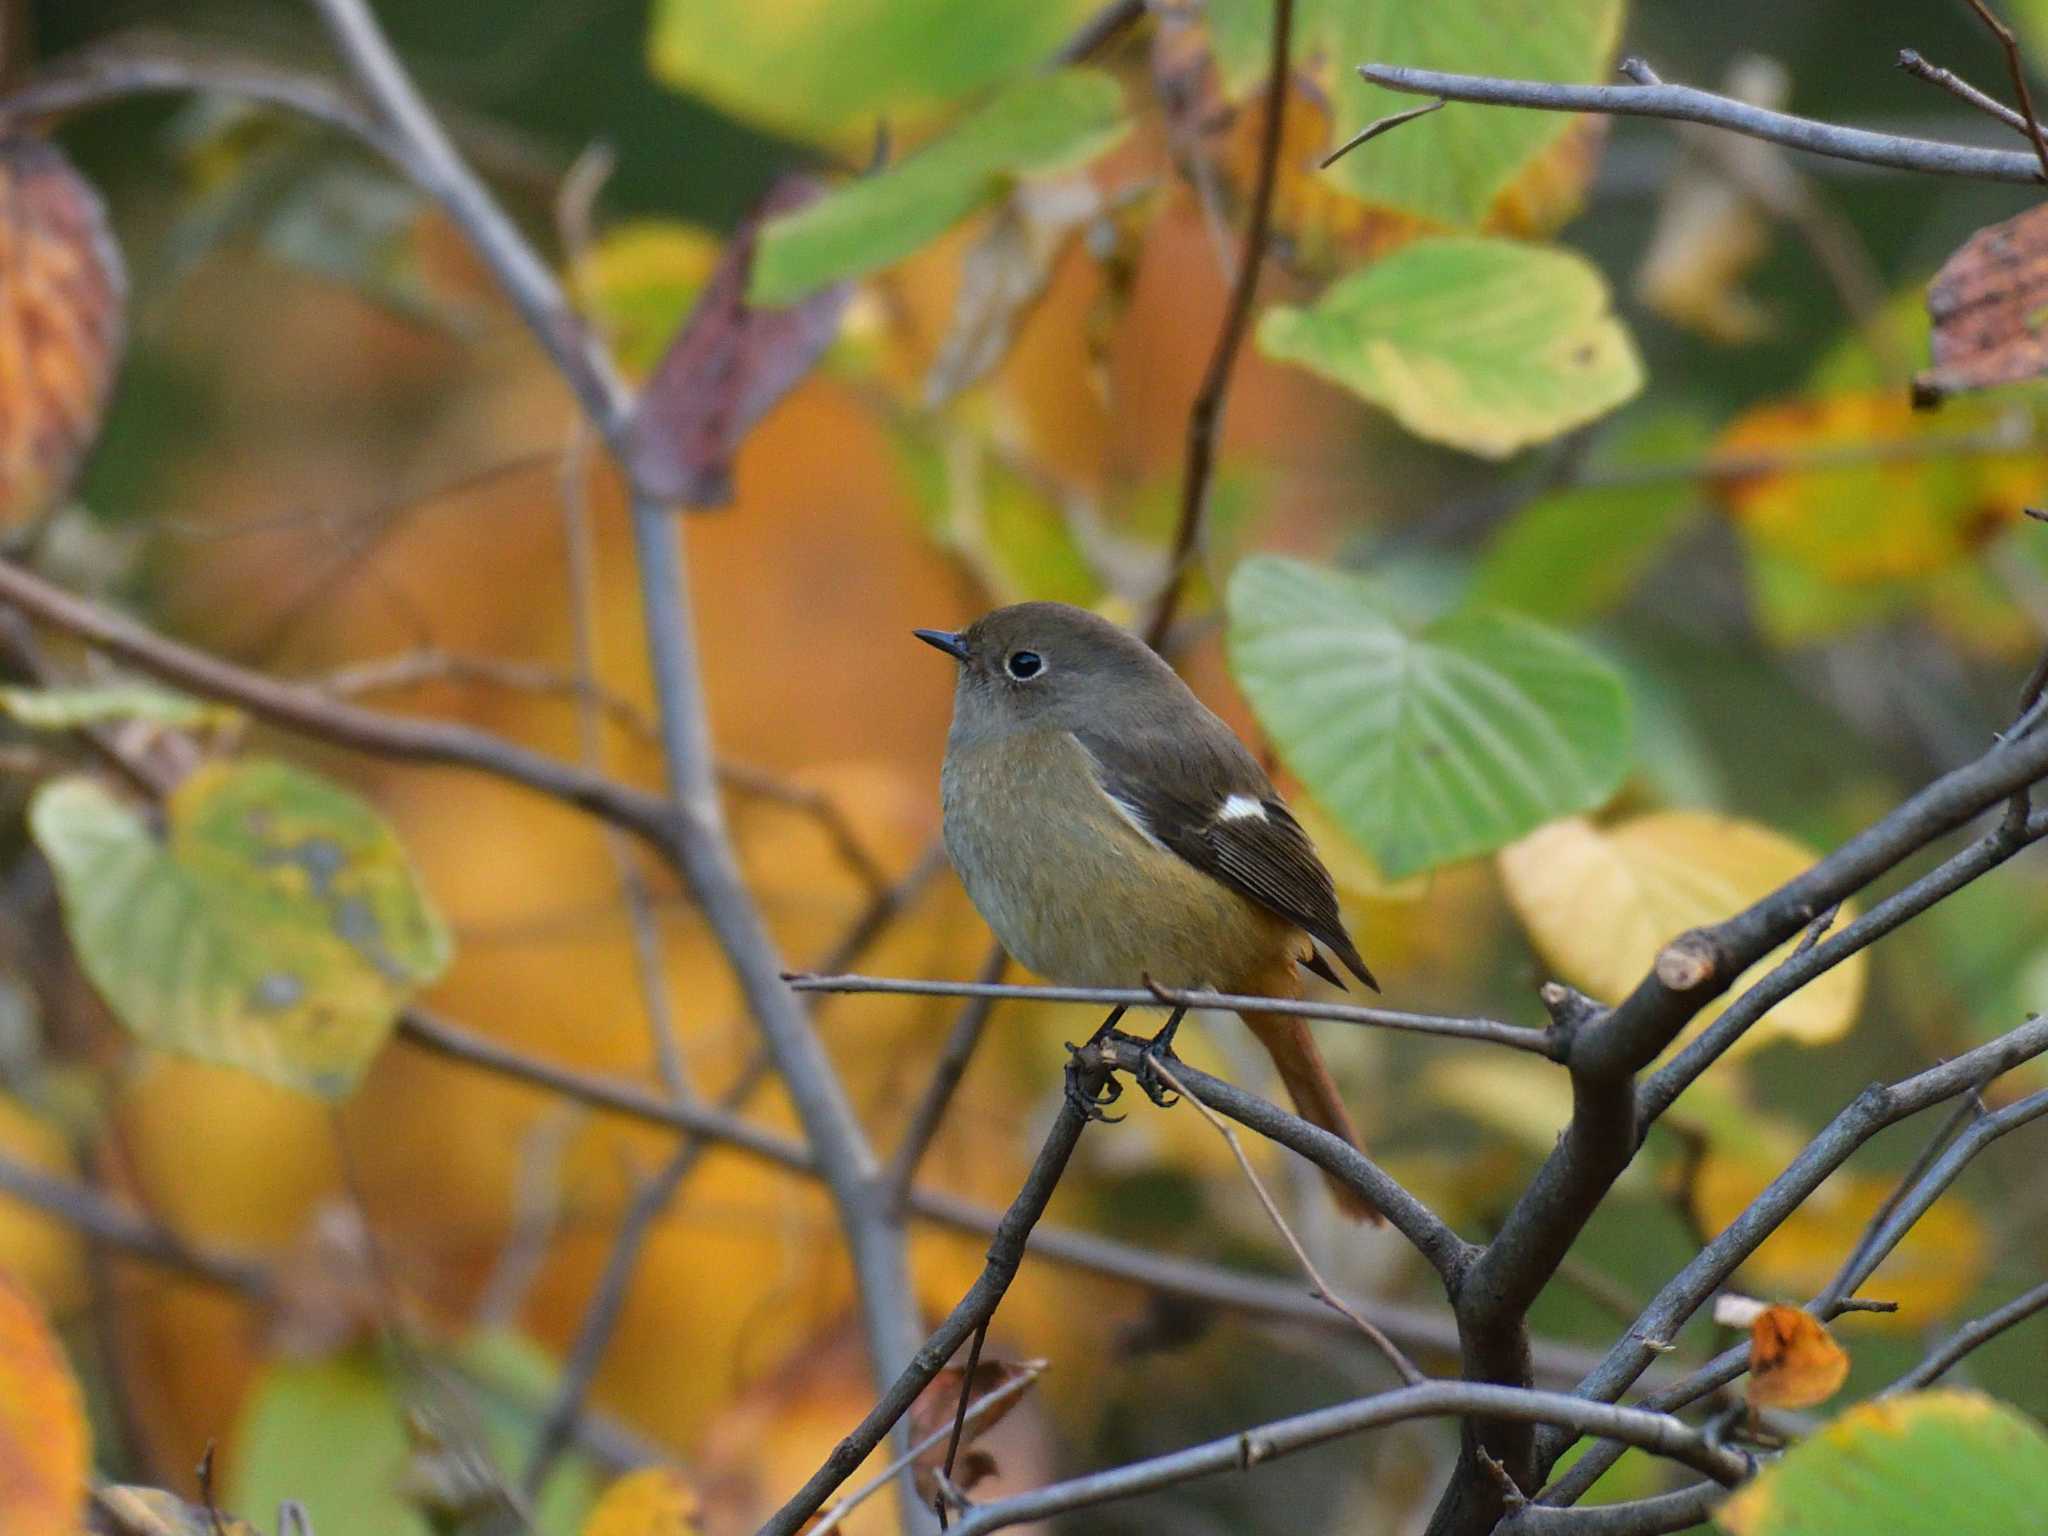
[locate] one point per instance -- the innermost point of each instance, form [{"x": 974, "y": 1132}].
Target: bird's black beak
[{"x": 949, "y": 641}]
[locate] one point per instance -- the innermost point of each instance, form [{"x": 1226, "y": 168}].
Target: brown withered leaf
[
  {"x": 61, "y": 293},
  {"x": 1003, "y": 275},
  {"x": 329, "y": 1293},
  {"x": 133, "y": 1511},
  {"x": 936, "y": 1406},
  {"x": 1794, "y": 1362},
  {"x": 727, "y": 367},
  {"x": 1989, "y": 304}
]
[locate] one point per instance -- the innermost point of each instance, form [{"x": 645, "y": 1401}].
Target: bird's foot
[
  {"x": 1084, "y": 1100},
  {"x": 1157, "y": 1050}
]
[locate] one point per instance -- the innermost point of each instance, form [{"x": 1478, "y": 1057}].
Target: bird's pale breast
[{"x": 1080, "y": 895}]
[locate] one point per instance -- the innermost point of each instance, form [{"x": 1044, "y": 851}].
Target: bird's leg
[
  {"x": 1090, "y": 1105},
  {"x": 1160, "y": 1045}
]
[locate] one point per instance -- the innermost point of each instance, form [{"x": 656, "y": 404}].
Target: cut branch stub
[
  {"x": 1688, "y": 961},
  {"x": 62, "y": 289},
  {"x": 1989, "y": 305}
]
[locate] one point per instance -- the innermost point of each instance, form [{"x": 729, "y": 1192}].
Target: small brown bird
[{"x": 1111, "y": 828}]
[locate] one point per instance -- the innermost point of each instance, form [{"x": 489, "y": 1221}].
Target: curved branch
[
  {"x": 1654, "y": 1432},
  {"x": 1687, "y": 104},
  {"x": 1944, "y": 1357},
  {"x": 1448, "y": 1254},
  {"x": 310, "y": 712}
]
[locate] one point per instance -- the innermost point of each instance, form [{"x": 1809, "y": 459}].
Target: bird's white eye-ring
[{"x": 1024, "y": 665}]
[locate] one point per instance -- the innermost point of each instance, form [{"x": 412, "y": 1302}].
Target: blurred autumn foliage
[{"x": 1714, "y": 592}]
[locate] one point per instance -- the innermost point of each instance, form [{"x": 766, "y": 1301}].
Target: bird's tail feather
[{"x": 1293, "y": 1049}]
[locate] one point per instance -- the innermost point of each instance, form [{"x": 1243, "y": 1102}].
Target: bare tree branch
[
  {"x": 1005, "y": 1254},
  {"x": 310, "y": 712},
  {"x": 1448, "y": 1254},
  {"x": 1205, "y": 414},
  {"x": 1240, "y": 1452},
  {"x": 105, "y": 1221},
  {"x": 1945, "y": 1356},
  {"x": 1541, "y": 1042},
  {"x": 698, "y": 842},
  {"x": 1686, "y": 104},
  {"x": 1986, "y": 854}
]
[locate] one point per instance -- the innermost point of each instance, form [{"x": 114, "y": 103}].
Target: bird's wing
[{"x": 1223, "y": 816}]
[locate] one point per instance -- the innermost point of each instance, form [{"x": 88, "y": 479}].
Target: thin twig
[
  {"x": 1205, "y": 415},
  {"x": 1375, "y": 128},
  {"x": 980, "y": 1408},
  {"x": 1686, "y": 104},
  {"x": 1921, "y": 68},
  {"x": 600, "y": 1318},
  {"x": 1405, "y": 1368},
  {"x": 105, "y": 1221},
  {"x": 1437, "y": 1399},
  {"x": 2017, "y": 69},
  {"x": 1005, "y": 1253},
  {"x": 312, "y": 713},
  {"x": 1448, "y": 1254},
  {"x": 1537, "y": 1041},
  {"x": 945, "y": 1478},
  {"x": 1944, "y": 1357}
]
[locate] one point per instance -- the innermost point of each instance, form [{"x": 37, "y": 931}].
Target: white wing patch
[{"x": 1241, "y": 808}]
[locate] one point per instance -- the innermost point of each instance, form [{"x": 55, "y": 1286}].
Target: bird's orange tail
[{"x": 1293, "y": 1049}]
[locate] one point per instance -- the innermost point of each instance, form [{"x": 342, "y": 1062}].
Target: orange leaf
[
  {"x": 1794, "y": 1362},
  {"x": 654, "y": 1501},
  {"x": 43, "y": 1449},
  {"x": 61, "y": 291}
]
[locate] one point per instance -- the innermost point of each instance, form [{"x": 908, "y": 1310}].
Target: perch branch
[
  {"x": 1541, "y": 1042},
  {"x": 1240, "y": 1452},
  {"x": 1687, "y": 104}
]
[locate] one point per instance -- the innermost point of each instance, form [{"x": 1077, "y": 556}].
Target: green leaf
[
  {"x": 1044, "y": 124},
  {"x": 1430, "y": 742},
  {"x": 1453, "y": 167},
  {"x": 829, "y": 72},
  {"x": 1485, "y": 345},
  {"x": 278, "y": 927},
  {"x": 1573, "y": 555},
  {"x": 66, "y": 709},
  {"x": 1924, "y": 1464},
  {"x": 333, "y": 1434}
]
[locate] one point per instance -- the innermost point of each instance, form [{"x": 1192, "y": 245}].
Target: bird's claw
[
  {"x": 1148, "y": 1075},
  {"x": 1085, "y": 1103}
]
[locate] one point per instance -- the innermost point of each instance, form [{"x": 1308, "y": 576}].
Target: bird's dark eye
[{"x": 1023, "y": 664}]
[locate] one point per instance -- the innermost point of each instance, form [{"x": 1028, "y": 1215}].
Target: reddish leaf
[
  {"x": 1989, "y": 304},
  {"x": 936, "y": 1406},
  {"x": 61, "y": 293},
  {"x": 726, "y": 368}
]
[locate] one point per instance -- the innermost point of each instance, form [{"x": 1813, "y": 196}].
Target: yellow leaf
[
  {"x": 1794, "y": 1362},
  {"x": 654, "y": 1501},
  {"x": 1856, "y": 524},
  {"x": 1929, "y": 1274},
  {"x": 42, "y": 1253},
  {"x": 1601, "y": 902},
  {"x": 43, "y": 1444}
]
